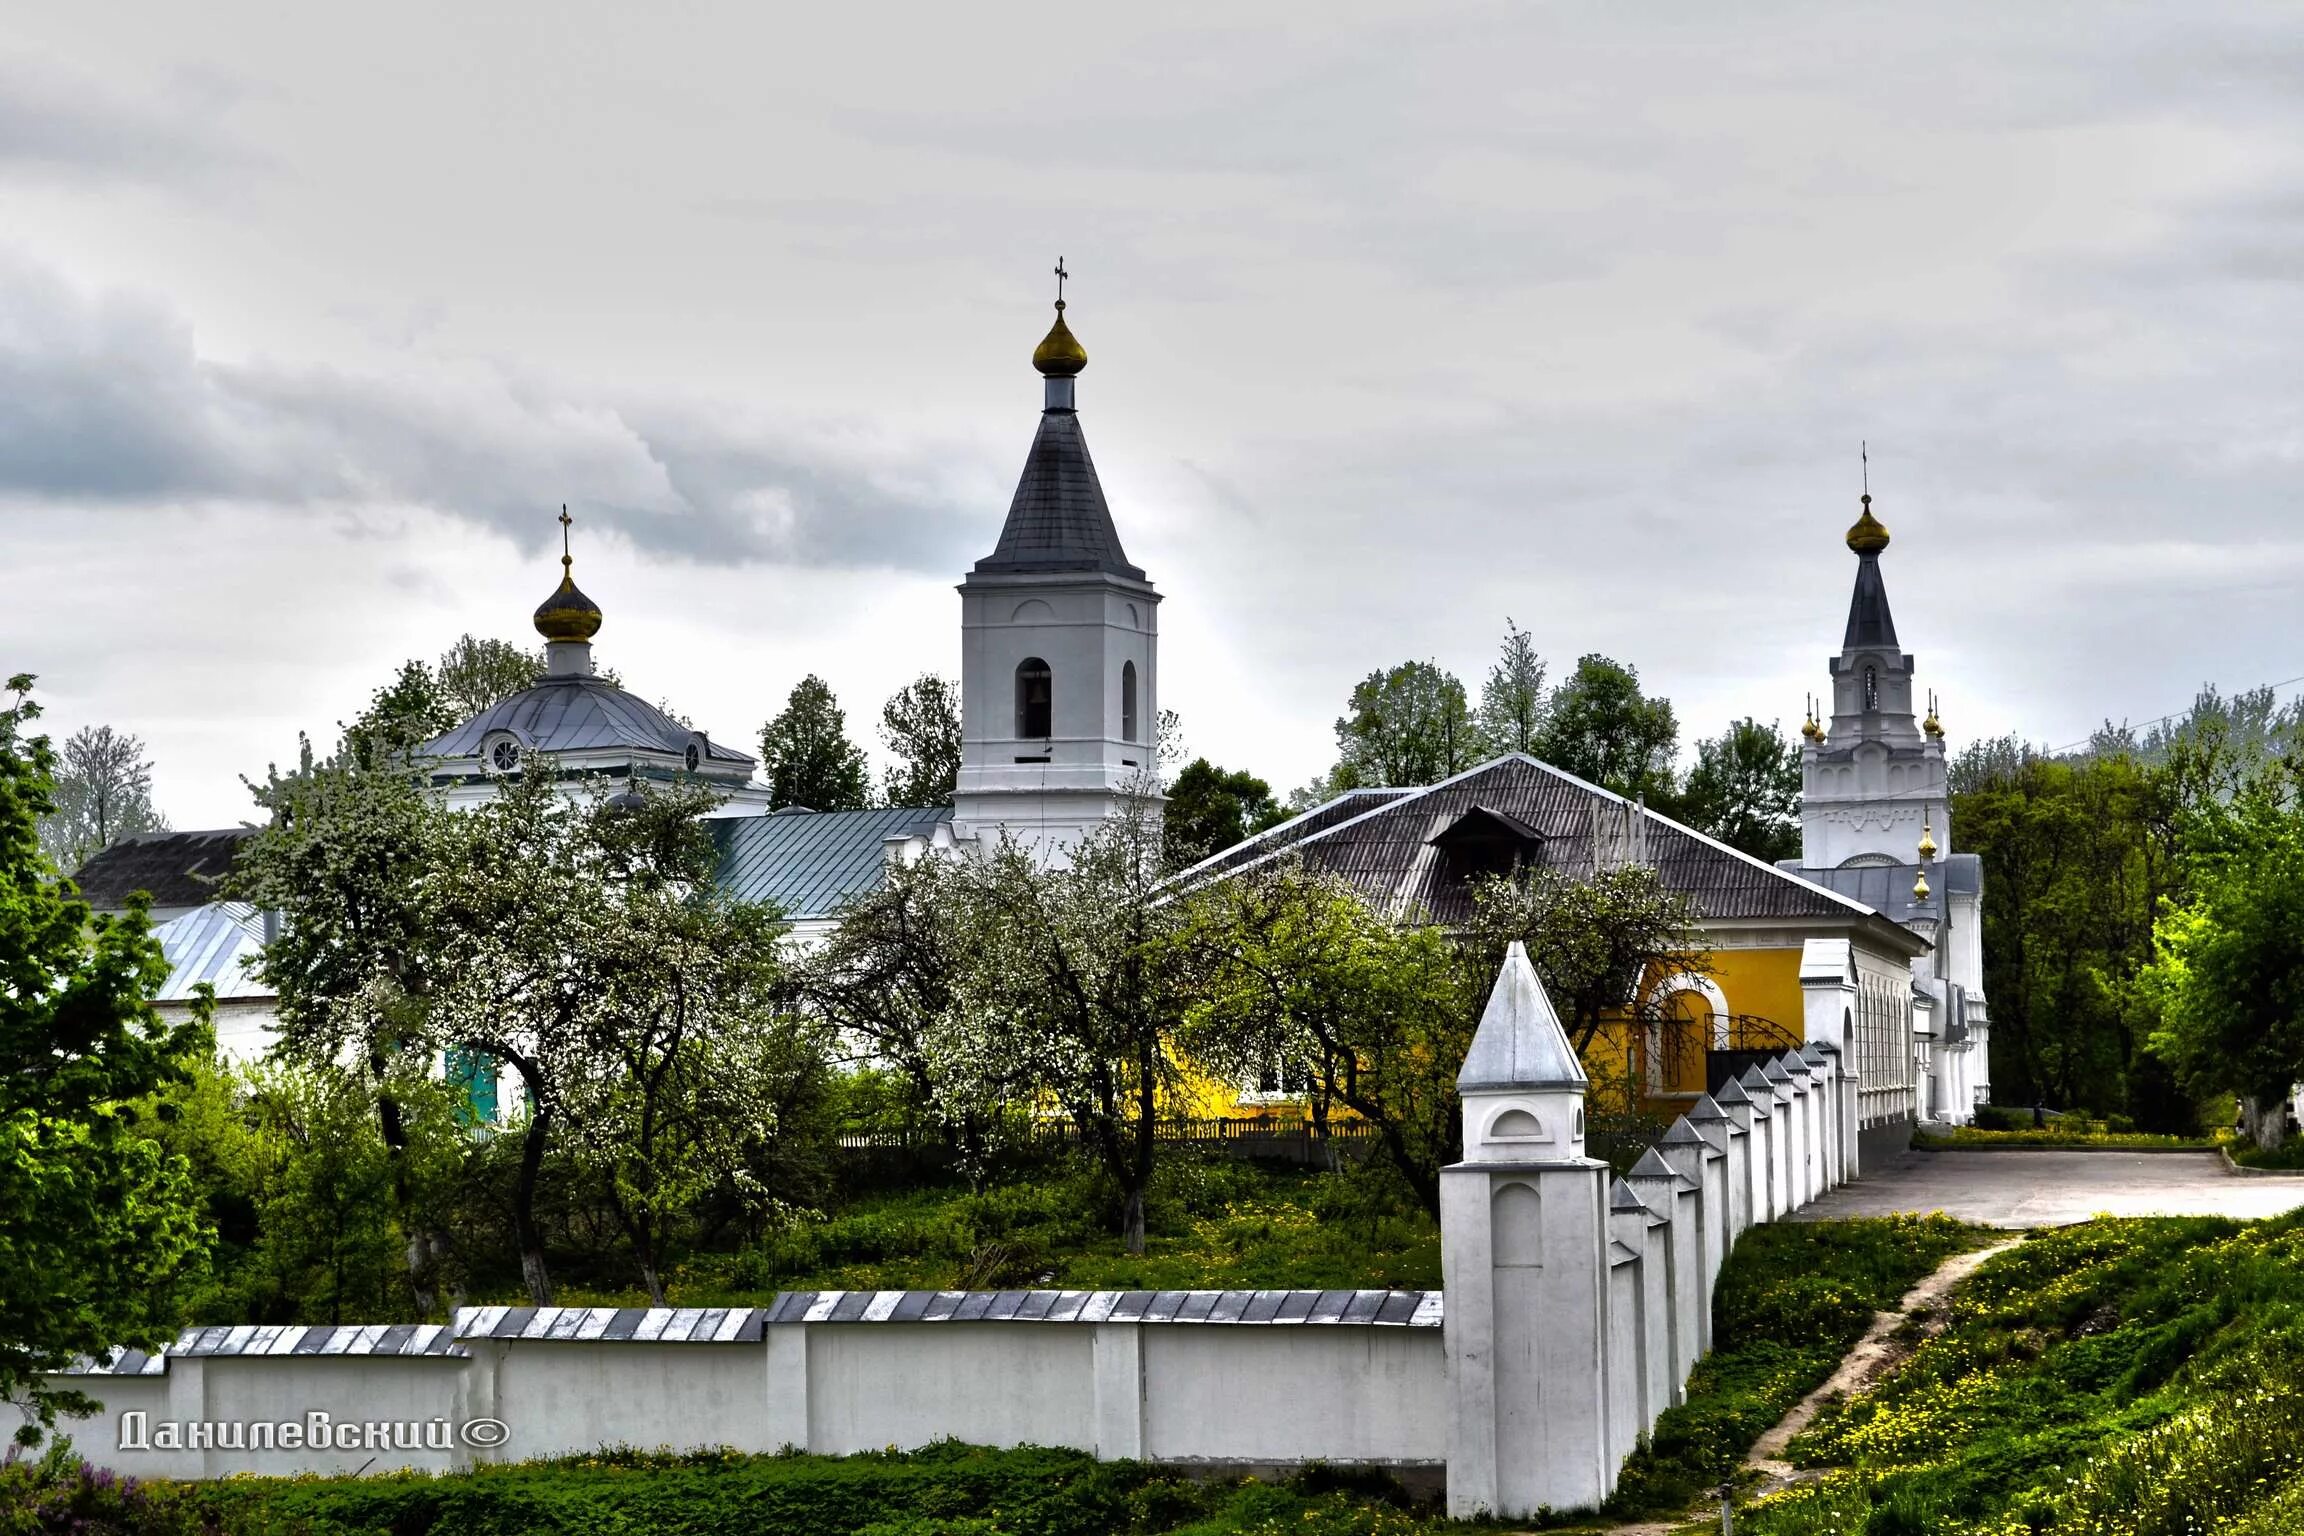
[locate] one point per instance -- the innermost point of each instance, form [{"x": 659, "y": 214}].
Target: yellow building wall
[{"x": 1761, "y": 982}]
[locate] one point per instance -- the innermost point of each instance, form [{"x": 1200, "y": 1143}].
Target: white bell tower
[
  {"x": 1059, "y": 645},
  {"x": 1874, "y": 784}
]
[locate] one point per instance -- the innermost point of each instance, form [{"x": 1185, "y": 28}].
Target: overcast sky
[{"x": 1403, "y": 319}]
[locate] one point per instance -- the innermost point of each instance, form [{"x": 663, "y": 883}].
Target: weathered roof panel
[
  {"x": 179, "y": 869},
  {"x": 578, "y": 714},
  {"x": 808, "y": 863}
]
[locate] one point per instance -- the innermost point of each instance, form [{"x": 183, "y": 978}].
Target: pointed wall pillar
[
  {"x": 1525, "y": 1254},
  {"x": 1828, "y": 1008},
  {"x": 1679, "y": 1201}
]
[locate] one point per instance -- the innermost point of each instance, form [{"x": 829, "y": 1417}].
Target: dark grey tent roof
[
  {"x": 1869, "y": 621},
  {"x": 1058, "y": 520},
  {"x": 578, "y": 714},
  {"x": 178, "y": 868},
  {"x": 809, "y": 862}
]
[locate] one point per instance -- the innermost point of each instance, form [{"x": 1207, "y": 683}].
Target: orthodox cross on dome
[
  {"x": 1863, "y": 457},
  {"x": 567, "y": 560},
  {"x": 1061, "y": 274}
]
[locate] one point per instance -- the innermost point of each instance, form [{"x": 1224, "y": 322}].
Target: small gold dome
[
  {"x": 1868, "y": 536},
  {"x": 1059, "y": 355},
  {"x": 567, "y": 614},
  {"x": 1932, "y": 725},
  {"x": 1927, "y": 841},
  {"x": 1920, "y": 886},
  {"x": 1810, "y": 729}
]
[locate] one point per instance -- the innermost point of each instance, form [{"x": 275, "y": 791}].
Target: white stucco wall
[{"x": 1292, "y": 1395}]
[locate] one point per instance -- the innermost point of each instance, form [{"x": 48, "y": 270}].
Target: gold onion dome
[
  {"x": 1810, "y": 729},
  {"x": 1932, "y": 725},
  {"x": 1059, "y": 355},
  {"x": 1868, "y": 535},
  {"x": 1920, "y": 886},
  {"x": 1927, "y": 841},
  {"x": 567, "y": 614}
]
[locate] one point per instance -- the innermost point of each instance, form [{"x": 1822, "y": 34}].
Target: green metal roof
[{"x": 807, "y": 863}]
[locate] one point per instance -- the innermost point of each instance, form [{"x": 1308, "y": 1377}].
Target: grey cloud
[
  {"x": 54, "y": 120},
  {"x": 107, "y": 400}
]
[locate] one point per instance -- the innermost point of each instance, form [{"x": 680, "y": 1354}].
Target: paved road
[{"x": 2046, "y": 1189}]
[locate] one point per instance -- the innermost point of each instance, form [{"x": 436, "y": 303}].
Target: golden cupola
[
  {"x": 1927, "y": 841},
  {"x": 1059, "y": 355},
  {"x": 567, "y": 615},
  {"x": 1867, "y": 535}
]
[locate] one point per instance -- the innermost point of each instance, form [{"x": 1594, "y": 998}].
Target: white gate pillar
[{"x": 1524, "y": 1252}]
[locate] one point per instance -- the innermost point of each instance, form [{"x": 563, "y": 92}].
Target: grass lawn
[
  {"x": 1214, "y": 1223},
  {"x": 2051, "y": 1138},
  {"x": 2289, "y": 1155},
  {"x": 1793, "y": 1299},
  {"x": 2126, "y": 1377}
]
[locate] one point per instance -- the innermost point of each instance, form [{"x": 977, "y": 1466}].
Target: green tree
[
  {"x": 99, "y": 1227},
  {"x": 1407, "y": 725},
  {"x": 1303, "y": 973},
  {"x": 1378, "y": 1013},
  {"x": 351, "y": 858},
  {"x": 401, "y": 716},
  {"x": 1077, "y": 991},
  {"x": 1210, "y": 808},
  {"x": 1512, "y": 699},
  {"x": 102, "y": 792},
  {"x": 1602, "y": 728},
  {"x": 2077, "y": 855},
  {"x": 806, "y": 756},
  {"x": 475, "y": 674},
  {"x": 892, "y": 978},
  {"x": 2229, "y": 972},
  {"x": 690, "y": 1066},
  {"x": 1745, "y": 790},
  {"x": 921, "y": 725}
]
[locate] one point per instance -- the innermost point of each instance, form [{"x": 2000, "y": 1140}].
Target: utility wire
[{"x": 2164, "y": 719}]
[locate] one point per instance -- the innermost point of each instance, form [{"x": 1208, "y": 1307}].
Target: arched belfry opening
[
  {"x": 1035, "y": 700},
  {"x": 1128, "y": 702}
]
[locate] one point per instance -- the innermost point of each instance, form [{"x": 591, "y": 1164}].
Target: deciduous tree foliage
[
  {"x": 102, "y": 792},
  {"x": 1745, "y": 790},
  {"x": 1512, "y": 701},
  {"x": 99, "y": 1227},
  {"x": 1407, "y": 725},
  {"x": 1380, "y": 1012},
  {"x": 477, "y": 673},
  {"x": 576, "y": 943},
  {"x": 1003, "y": 984},
  {"x": 1599, "y": 726},
  {"x": 921, "y": 725},
  {"x": 1210, "y": 808},
  {"x": 2229, "y": 973},
  {"x": 806, "y": 756}
]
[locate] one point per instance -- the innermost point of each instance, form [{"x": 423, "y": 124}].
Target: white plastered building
[{"x": 1876, "y": 825}]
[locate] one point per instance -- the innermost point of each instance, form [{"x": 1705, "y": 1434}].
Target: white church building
[{"x": 1876, "y": 825}]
